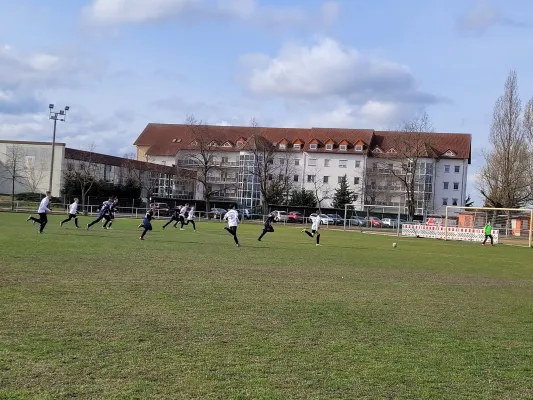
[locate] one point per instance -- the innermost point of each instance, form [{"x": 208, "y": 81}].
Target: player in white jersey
[
  {"x": 42, "y": 211},
  {"x": 183, "y": 214},
  {"x": 315, "y": 227},
  {"x": 72, "y": 213},
  {"x": 232, "y": 216},
  {"x": 190, "y": 219}
]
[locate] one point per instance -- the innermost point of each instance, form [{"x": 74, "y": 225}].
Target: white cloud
[
  {"x": 114, "y": 12},
  {"x": 328, "y": 69},
  {"x": 483, "y": 14}
]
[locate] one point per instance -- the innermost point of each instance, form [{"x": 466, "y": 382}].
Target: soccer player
[
  {"x": 104, "y": 213},
  {"x": 181, "y": 217},
  {"x": 72, "y": 213},
  {"x": 146, "y": 224},
  {"x": 488, "y": 234},
  {"x": 42, "y": 211},
  {"x": 314, "y": 228},
  {"x": 232, "y": 216},
  {"x": 174, "y": 217},
  {"x": 112, "y": 211},
  {"x": 190, "y": 219},
  {"x": 268, "y": 225}
]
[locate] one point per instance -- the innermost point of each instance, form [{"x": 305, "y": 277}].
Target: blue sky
[{"x": 359, "y": 63}]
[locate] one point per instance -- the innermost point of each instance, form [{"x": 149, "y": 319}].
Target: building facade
[{"x": 377, "y": 164}]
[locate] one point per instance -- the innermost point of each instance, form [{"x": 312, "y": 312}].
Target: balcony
[
  {"x": 222, "y": 180},
  {"x": 196, "y": 163}
]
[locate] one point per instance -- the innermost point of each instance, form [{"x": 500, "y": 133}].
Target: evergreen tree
[
  {"x": 302, "y": 198},
  {"x": 343, "y": 195}
]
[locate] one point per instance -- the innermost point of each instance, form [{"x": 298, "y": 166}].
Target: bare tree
[
  {"x": 144, "y": 173},
  {"x": 271, "y": 168},
  {"x": 200, "y": 163},
  {"x": 410, "y": 145},
  {"x": 320, "y": 187},
  {"x": 82, "y": 172},
  {"x": 35, "y": 170},
  {"x": 528, "y": 121},
  {"x": 505, "y": 179},
  {"x": 13, "y": 168}
]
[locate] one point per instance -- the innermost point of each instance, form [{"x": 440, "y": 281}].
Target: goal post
[
  {"x": 512, "y": 226},
  {"x": 374, "y": 218}
]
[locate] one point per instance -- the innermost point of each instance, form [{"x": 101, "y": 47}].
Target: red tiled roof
[
  {"x": 168, "y": 139},
  {"x": 82, "y": 155},
  {"x": 436, "y": 144}
]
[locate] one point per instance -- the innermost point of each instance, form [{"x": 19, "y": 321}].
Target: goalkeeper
[{"x": 488, "y": 234}]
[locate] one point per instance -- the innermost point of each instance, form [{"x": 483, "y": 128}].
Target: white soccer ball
[{"x": 395, "y": 245}]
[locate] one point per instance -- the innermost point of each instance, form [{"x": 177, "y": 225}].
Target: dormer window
[
  {"x": 358, "y": 147},
  {"x": 282, "y": 146},
  {"x": 343, "y": 147},
  {"x": 449, "y": 153},
  {"x": 195, "y": 143},
  {"x": 313, "y": 146},
  {"x": 227, "y": 144},
  {"x": 213, "y": 144},
  {"x": 297, "y": 147},
  {"x": 377, "y": 150},
  {"x": 239, "y": 143},
  {"x": 329, "y": 147},
  {"x": 391, "y": 151}
]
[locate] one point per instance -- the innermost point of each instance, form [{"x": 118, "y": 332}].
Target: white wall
[
  {"x": 451, "y": 177},
  {"x": 40, "y": 154}
]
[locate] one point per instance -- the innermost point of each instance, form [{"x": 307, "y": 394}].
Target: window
[
  {"x": 281, "y": 161},
  {"x": 326, "y": 179},
  {"x": 239, "y": 143},
  {"x": 310, "y": 178},
  {"x": 30, "y": 162},
  {"x": 297, "y": 162},
  {"x": 456, "y": 186},
  {"x": 358, "y": 164},
  {"x": 283, "y": 146},
  {"x": 326, "y": 162},
  {"x": 312, "y": 162},
  {"x": 329, "y": 147},
  {"x": 339, "y": 179},
  {"x": 269, "y": 177},
  {"x": 447, "y": 169},
  {"x": 281, "y": 178},
  {"x": 107, "y": 173},
  {"x": 358, "y": 148},
  {"x": 446, "y": 184},
  {"x": 224, "y": 160},
  {"x": 343, "y": 163},
  {"x": 312, "y": 146},
  {"x": 445, "y": 202},
  {"x": 271, "y": 161},
  {"x": 454, "y": 202},
  {"x": 297, "y": 146},
  {"x": 295, "y": 178},
  {"x": 355, "y": 197},
  {"x": 343, "y": 147},
  {"x": 457, "y": 169},
  {"x": 356, "y": 180}
]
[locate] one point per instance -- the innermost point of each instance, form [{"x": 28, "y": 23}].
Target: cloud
[
  {"x": 483, "y": 14},
  {"x": 117, "y": 12},
  {"x": 325, "y": 69}
]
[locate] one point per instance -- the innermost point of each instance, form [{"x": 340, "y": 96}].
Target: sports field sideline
[{"x": 101, "y": 315}]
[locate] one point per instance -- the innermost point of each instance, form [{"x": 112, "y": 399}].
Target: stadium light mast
[{"x": 60, "y": 115}]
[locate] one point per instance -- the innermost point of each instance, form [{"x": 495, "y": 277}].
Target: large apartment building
[{"x": 374, "y": 162}]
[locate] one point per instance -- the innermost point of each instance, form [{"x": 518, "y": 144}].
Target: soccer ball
[{"x": 394, "y": 245}]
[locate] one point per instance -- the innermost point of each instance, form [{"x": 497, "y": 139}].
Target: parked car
[
  {"x": 337, "y": 219},
  {"x": 356, "y": 221},
  {"x": 324, "y": 219},
  {"x": 392, "y": 222},
  {"x": 218, "y": 212},
  {"x": 295, "y": 217},
  {"x": 374, "y": 222},
  {"x": 161, "y": 209},
  {"x": 280, "y": 216}
]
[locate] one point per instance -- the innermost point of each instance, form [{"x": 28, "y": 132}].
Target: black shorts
[{"x": 268, "y": 228}]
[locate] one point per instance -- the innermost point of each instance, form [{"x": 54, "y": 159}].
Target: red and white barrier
[{"x": 454, "y": 233}]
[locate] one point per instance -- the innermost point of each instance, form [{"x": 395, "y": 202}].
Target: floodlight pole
[{"x": 60, "y": 115}]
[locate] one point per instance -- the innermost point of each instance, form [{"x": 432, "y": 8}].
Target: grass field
[{"x": 101, "y": 315}]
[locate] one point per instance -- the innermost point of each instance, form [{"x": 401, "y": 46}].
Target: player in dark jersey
[
  {"x": 104, "y": 213},
  {"x": 112, "y": 211},
  {"x": 174, "y": 217},
  {"x": 268, "y": 225},
  {"x": 147, "y": 223}
]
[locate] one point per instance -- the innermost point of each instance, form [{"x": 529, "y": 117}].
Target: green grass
[{"x": 101, "y": 315}]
